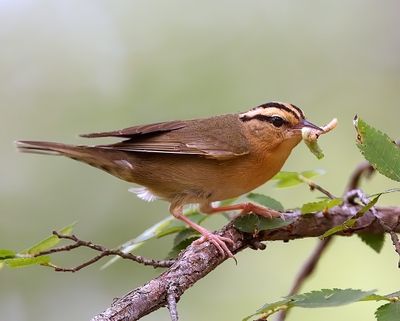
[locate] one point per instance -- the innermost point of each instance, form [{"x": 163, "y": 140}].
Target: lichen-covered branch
[{"x": 197, "y": 261}]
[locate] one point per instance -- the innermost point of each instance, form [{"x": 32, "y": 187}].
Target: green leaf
[
  {"x": 252, "y": 223},
  {"x": 375, "y": 297},
  {"x": 374, "y": 241},
  {"x": 367, "y": 207},
  {"x": 271, "y": 308},
  {"x": 289, "y": 179},
  {"x": 379, "y": 149},
  {"x": 50, "y": 241},
  {"x": 349, "y": 223},
  {"x": 184, "y": 235},
  {"x": 316, "y": 299},
  {"x": 266, "y": 201},
  {"x": 320, "y": 205},
  {"x": 328, "y": 298},
  {"x": 266, "y": 308},
  {"x": 167, "y": 226},
  {"x": 6, "y": 254},
  {"x": 339, "y": 228},
  {"x": 388, "y": 312},
  {"x": 182, "y": 240},
  {"x": 25, "y": 261}
]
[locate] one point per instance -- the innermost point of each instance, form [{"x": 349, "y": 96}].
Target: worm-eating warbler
[{"x": 196, "y": 161}]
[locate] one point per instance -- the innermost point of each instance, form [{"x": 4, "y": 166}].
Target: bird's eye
[{"x": 277, "y": 121}]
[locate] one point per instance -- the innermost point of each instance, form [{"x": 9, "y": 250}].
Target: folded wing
[{"x": 219, "y": 137}]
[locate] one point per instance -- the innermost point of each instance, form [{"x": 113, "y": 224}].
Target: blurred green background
[{"x": 69, "y": 67}]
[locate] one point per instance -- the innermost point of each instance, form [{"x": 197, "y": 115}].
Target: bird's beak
[{"x": 306, "y": 123}]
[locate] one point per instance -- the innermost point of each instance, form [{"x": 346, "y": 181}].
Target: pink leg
[
  {"x": 218, "y": 241},
  {"x": 245, "y": 208}
]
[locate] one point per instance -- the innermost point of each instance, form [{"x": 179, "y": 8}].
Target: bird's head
[{"x": 276, "y": 123}]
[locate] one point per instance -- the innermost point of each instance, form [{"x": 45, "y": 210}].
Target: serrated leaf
[
  {"x": 290, "y": 179},
  {"x": 328, "y": 298},
  {"x": 375, "y": 297},
  {"x": 320, "y": 205},
  {"x": 6, "y": 254},
  {"x": 270, "y": 308},
  {"x": 374, "y": 241},
  {"x": 378, "y": 149},
  {"x": 167, "y": 226},
  {"x": 266, "y": 308},
  {"x": 25, "y": 261},
  {"x": 182, "y": 240},
  {"x": 388, "y": 312},
  {"x": 266, "y": 201},
  {"x": 313, "y": 173},
  {"x": 394, "y": 295},
  {"x": 349, "y": 223},
  {"x": 252, "y": 223},
  {"x": 185, "y": 234},
  {"x": 50, "y": 241},
  {"x": 315, "y": 299},
  {"x": 339, "y": 228}
]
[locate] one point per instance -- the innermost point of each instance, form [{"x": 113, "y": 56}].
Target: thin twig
[
  {"x": 310, "y": 265},
  {"x": 393, "y": 236},
  {"x": 306, "y": 270},
  {"x": 314, "y": 185},
  {"x": 363, "y": 169},
  {"x": 396, "y": 243},
  {"x": 387, "y": 228},
  {"x": 171, "y": 301},
  {"x": 103, "y": 253}
]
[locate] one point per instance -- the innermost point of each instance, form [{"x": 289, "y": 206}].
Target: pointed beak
[{"x": 306, "y": 123}]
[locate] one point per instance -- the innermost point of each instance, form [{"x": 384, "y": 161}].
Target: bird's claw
[{"x": 218, "y": 241}]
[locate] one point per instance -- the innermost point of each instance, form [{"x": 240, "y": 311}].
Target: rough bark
[{"x": 197, "y": 261}]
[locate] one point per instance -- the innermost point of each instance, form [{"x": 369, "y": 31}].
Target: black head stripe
[
  {"x": 284, "y": 107},
  {"x": 272, "y": 104},
  {"x": 259, "y": 117},
  {"x": 299, "y": 110}
]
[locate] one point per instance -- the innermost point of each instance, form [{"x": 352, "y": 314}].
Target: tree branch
[
  {"x": 103, "y": 253},
  {"x": 196, "y": 262}
]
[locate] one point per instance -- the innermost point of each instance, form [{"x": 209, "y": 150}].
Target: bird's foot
[
  {"x": 245, "y": 208},
  {"x": 218, "y": 241},
  {"x": 266, "y": 212}
]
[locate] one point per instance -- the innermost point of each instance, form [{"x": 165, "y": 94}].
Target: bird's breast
[{"x": 198, "y": 179}]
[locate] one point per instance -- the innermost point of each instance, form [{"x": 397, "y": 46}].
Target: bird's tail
[
  {"x": 48, "y": 148},
  {"x": 111, "y": 161}
]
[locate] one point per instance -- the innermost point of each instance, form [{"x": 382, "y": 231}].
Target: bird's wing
[
  {"x": 140, "y": 130},
  {"x": 218, "y": 137}
]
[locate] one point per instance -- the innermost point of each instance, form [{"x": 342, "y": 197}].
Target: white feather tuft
[{"x": 143, "y": 193}]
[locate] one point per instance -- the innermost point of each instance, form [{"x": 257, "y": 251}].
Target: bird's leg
[
  {"x": 245, "y": 208},
  {"x": 218, "y": 241}
]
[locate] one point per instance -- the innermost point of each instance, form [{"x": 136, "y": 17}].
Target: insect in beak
[{"x": 306, "y": 123}]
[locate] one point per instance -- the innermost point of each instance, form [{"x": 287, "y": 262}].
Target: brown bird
[{"x": 197, "y": 161}]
